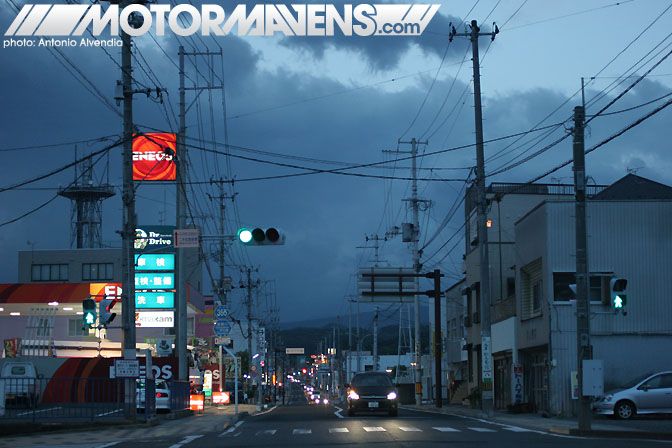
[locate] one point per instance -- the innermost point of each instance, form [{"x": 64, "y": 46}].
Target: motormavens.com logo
[{"x": 251, "y": 20}]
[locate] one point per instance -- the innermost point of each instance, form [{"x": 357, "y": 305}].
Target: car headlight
[
  {"x": 608, "y": 398},
  {"x": 325, "y": 401},
  {"x": 392, "y": 396},
  {"x": 353, "y": 395}
]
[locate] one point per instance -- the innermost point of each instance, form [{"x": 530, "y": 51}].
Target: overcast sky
[{"x": 309, "y": 101}]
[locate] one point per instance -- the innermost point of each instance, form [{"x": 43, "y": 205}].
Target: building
[
  {"x": 507, "y": 203},
  {"x": 628, "y": 229}
]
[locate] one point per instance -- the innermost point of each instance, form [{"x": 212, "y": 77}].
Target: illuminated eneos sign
[{"x": 153, "y": 157}]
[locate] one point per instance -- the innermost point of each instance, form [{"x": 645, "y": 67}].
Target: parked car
[
  {"x": 20, "y": 382},
  {"x": 372, "y": 392},
  {"x": 162, "y": 393},
  {"x": 647, "y": 394}
]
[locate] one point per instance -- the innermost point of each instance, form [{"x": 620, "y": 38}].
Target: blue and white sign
[
  {"x": 222, "y": 328},
  {"x": 165, "y": 280},
  {"x": 221, "y": 312}
]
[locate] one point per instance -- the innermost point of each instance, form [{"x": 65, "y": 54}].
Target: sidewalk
[{"x": 600, "y": 426}]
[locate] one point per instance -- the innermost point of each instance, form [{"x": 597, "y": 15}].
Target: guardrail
[{"x": 79, "y": 399}]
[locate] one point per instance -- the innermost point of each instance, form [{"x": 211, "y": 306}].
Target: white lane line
[
  {"x": 302, "y": 431},
  {"x": 445, "y": 429},
  {"x": 517, "y": 429},
  {"x": 333, "y": 430},
  {"x": 270, "y": 432},
  {"x": 374, "y": 429},
  {"x": 108, "y": 413},
  {"x": 410, "y": 429},
  {"x": 477, "y": 429},
  {"x": 105, "y": 445},
  {"x": 38, "y": 411},
  {"x": 338, "y": 412},
  {"x": 266, "y": 412},
  {"x": 186, "y": 440},
  {"x": 231, "y": 429}
]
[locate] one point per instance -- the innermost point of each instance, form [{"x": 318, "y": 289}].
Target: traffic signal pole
[{"x": 584, "y": 350}]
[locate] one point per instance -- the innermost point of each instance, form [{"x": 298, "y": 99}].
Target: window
[
  {"x": 598, "y": 292},
  {"x": 658, "y": 382},
  {"x": 531, "y": 289},
  {"x": 49, "y": 272},
  {"x": 75, "y": 328},
  {"x": 510, "y": 287},
  {"x": 97, "y": 271}
]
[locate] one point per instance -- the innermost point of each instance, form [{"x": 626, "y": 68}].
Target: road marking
[
  {"x": 302, "y": 431},
  {"x": 482, "y": 429},
  {"x": 410, "y": 429},
  {"x": 338, "y": 412},
  {"x": 108, "y": 413},
  {"x": 41, "y": 410},
  {"x": 186, "y": 440},
  {"x": 445, "y": 429},
  {"x": 374, "y": 429},
  {"x": 333, "y": 430},
  {"x": 266, "y": 412},
  {"x": 105, "y": 445},
  {"x": 518, "y": 429},
  {"x": 231, "y": 429},
  {"x": 267, "y": 431}
]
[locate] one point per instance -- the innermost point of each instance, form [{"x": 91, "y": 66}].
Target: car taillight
[{"x": 161, "y": 394}]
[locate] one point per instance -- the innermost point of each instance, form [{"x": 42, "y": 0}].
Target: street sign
[
  {"x": 222, "y": 341},
  {"x": 294, "y": 351},
  {"x": 221, "y": 312},
  {"x": 253, "y": 368},
  {"x": 126, "y": 368},
  {"x": 392, "y": 281},
  {"x": 186, "y": 237},
  {"x": 222, "y": 328}
]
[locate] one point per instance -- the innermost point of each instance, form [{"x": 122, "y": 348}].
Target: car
[
  {"x": 372, "y": 392},
  {"x": 647, "y": 394},
  {"x": 162, "y": 391}
]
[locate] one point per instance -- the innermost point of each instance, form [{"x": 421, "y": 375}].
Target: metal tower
[{"x": 86, "y": 206}]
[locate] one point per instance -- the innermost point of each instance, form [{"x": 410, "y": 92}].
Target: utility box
[
  {"x": 593, "y": 377},
  {"x": 407, "y": 232}
]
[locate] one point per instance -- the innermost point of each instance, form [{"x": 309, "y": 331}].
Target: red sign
[
  {"x": 196, "y": 402},
  {"x": 153, "y": 157}
]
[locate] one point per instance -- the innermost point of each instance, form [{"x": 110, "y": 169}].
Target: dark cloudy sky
[{"x": 310, "y": 101}]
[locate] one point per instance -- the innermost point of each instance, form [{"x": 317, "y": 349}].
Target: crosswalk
[{"x": 378, "y": 429}]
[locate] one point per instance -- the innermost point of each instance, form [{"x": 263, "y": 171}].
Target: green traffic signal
[
  {"x": 89, "y": 309},
  {"x": 620, "y": 301},
  {"x": 260, "y": 237}
]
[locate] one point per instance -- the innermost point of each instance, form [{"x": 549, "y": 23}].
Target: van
[{"x": 20, "y": 382}]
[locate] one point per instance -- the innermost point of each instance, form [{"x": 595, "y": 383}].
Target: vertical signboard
[{"x": 486, "y": 360}]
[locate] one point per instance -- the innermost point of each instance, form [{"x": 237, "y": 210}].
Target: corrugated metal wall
[{"x": 634, "y": 241}]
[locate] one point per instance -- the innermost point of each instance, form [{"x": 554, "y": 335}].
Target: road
[{"x": 306, "y": 425}]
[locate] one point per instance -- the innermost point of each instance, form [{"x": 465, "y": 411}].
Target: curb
[
  {"x": 564, "y": 430},
  {"x": 180, "y": 414}
]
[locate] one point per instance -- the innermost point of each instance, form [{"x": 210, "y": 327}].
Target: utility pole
[
  {"x": 417, "y": 370},
  {"x": 375, "y": 341},
  {"x": 487, "y": 396},
  {"x": 181, "y": 208},
  {"x": 584, "y": 350},
  {"x": 221, "y": 290},
  {"x": 349, "y": 361},
  {"x": 128, "y": 224}
]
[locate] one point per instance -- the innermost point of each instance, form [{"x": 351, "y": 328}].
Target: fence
[{"x": 92, "y": 399}]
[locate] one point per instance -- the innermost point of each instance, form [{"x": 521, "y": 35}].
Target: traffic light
[
  {"x": 105, "y": 311},
  {"x": 89, "y": 316},
  {"x": 260, "y": 237},
  {"x": 617, "y": 288}
]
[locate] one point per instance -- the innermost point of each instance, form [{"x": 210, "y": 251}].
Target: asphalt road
[{"x": 303, "y": 424}]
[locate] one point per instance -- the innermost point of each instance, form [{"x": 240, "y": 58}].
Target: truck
[{"x": 20, "y": 380}]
